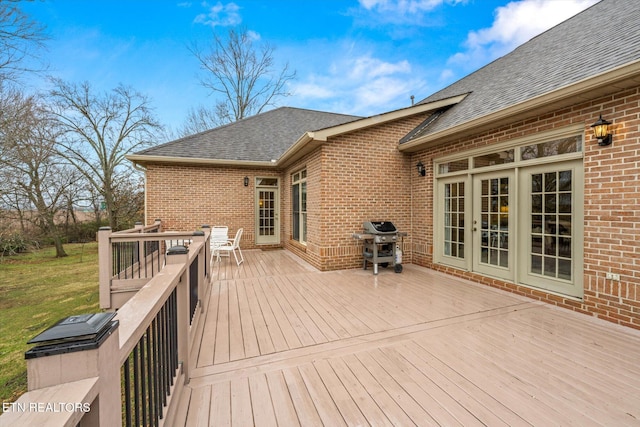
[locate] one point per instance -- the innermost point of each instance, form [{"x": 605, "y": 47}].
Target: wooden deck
[{"x": 284, "y": 344}]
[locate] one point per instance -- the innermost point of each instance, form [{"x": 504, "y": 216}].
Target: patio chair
[
  {"x": 219, "y": 237},
  {"x": 232, "y": 246}
]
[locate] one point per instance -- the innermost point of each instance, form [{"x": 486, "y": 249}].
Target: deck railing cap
[{"x": 177, "y": 250}]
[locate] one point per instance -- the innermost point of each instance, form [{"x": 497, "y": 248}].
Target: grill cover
[{"x": 379, "y": 227}]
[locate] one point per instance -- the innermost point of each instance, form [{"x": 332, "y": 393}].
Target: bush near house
[{"x": 37, "y": 290}]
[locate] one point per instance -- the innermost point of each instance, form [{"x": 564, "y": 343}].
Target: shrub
[{"x": 13, "y": 244}]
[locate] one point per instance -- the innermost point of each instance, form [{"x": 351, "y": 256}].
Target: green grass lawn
[{"x": 37, "y": 290}]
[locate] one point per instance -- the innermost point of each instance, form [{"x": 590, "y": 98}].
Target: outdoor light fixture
[
  {"x": 602, "y": 131},
  {"x": 421, "y": 170},
  {"x": 246, "y": 181}
]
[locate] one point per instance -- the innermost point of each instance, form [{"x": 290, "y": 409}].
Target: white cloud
[
  {"x": 360, "y": 84},
  {"x": 398, "y": 12},
  {"x": 514, "y": 24},
  {"x": 404, "y": 6},
  {"x": 366, "y": 67},
  {"x": 219, "y": 15},
  {"x": 312, "y": 90}
]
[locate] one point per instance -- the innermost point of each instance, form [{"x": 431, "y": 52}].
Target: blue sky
[{"x": 357, "y": 57}]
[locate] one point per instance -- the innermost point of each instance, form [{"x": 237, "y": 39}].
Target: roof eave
[
  {"x": 594, "y": 87},
  {"x": 143, "y": 160}
]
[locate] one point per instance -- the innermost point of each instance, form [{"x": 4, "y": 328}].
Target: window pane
[
  {"x": 271, "y": 182},
  {"x": 453, "y": 220},
  {"x": 303, "y": 204},
  {"x": 552, "y": 148},
  {"x": 455, "y": 166},
  {"x": 498, "y": 158},
  {"x": 536, "y": 264},
  {"x": 295, "y": 217},
  {"x": 550, "y": 181}
]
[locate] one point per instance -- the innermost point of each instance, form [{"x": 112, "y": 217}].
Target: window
[{"x": 299, "y": 206}]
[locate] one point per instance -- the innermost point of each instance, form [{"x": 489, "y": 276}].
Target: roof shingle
[{"x": 262, "y": 137}]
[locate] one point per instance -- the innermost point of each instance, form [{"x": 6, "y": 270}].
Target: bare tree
[
  {"x": 20, "y": 39},
  {"x": 243, "y": 74},
  {"x": 34, "y": 177},
  {"x": 99, "y": 131}
]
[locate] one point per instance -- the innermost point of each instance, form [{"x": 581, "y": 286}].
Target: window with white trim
[{"x": 299, "y": 206}]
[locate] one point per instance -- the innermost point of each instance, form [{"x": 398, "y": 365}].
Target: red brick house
[{"x": 515, "y": 191}]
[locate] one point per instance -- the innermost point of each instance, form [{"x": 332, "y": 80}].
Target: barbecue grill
[{"x": 379, "y": 244}]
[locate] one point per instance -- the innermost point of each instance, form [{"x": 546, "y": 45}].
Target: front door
[
  {"x": 267, "y": 211},
  {"x": 493, "y": 224}
]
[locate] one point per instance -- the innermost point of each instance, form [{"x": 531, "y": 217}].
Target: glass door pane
[
  {"x": 551, "y": 231},
  {"x": 493, "y": 212}
]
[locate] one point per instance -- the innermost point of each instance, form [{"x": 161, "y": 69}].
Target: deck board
[{"x": 284, "y": 344}]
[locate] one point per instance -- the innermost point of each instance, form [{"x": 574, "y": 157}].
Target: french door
[
  {"x": 552, "y": 222},
  {"x": 494, "y": 223},
  {"x": 267, "y": 211}
]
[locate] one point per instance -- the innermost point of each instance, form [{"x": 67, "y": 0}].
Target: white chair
[
  {"x": 219, "y": 237},
  {"x": 232, "y": 246}
]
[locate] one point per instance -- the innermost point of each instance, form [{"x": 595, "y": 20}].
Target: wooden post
[
  {"x": 101, "y": 362},
  {"x": 105, "y": 263},
  {"x": 200, "y": 236},
  {"x": 139, "y": 227},
  {"x": 207, "y": 251}
]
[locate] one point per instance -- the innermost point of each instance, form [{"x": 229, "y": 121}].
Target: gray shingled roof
[
  {"x": 262, "y": 137},
  {"x": 602, "y": 37}
]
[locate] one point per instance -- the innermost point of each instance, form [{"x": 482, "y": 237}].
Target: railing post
[
  {"x": 47, "y": 367},
  {"x": 200, "y": 236},
  {"x": 207, "y": 250},
  {"x": 105, "y": 263},
  {"x": 180, "y": 255},
  {"x": 139, "y": 227}
]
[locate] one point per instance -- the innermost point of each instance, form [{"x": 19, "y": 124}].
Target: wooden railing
[
  {"x": 137, "y": 374},
  {"x": 134, "y": 257}
]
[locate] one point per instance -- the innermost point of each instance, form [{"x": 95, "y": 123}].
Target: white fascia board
[{"x": 142, "y": 160}]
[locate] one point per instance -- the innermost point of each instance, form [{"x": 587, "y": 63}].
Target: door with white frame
[
  {"x": 267, "y": 193},
  {"x": 494, "y": 223},
  {"x": 551, "y": 244}
]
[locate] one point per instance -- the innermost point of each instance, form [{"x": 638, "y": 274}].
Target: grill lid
[{"x": 379, "y": 227}]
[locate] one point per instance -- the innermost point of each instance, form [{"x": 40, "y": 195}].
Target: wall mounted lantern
[
  {"x": 421, "y": 170},
  {"x": 602, "y": 131},
  {"x": 246, "y": 181}
]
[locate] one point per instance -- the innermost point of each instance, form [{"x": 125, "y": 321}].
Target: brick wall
[
  {"x": 353, "y": 178},
  {"x": 186, "y": 197},
  {"x": 611, "y": 211}
]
